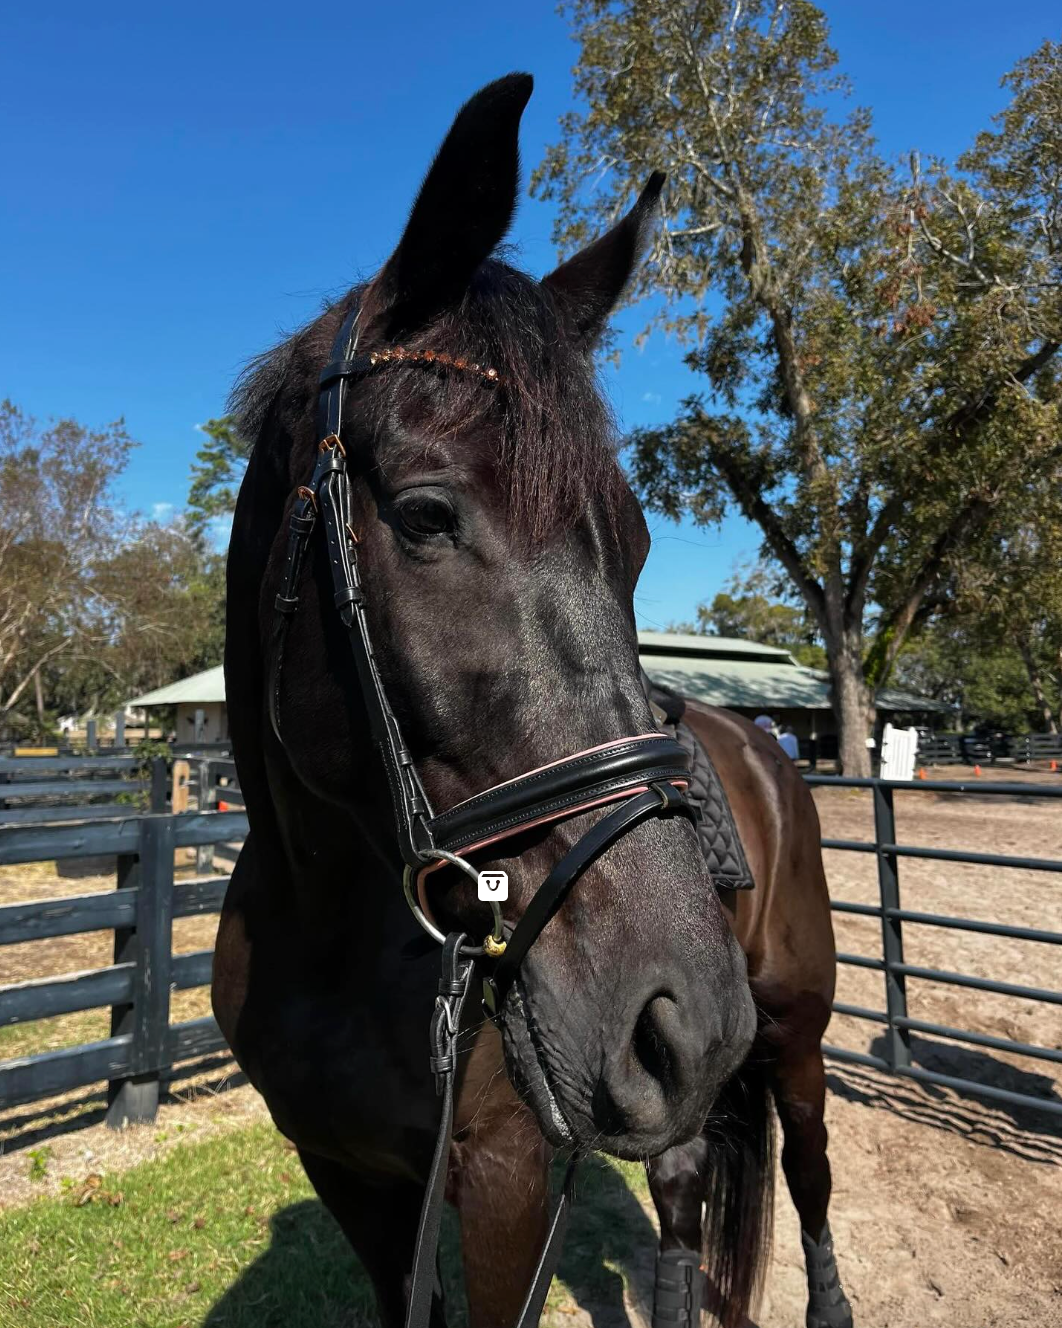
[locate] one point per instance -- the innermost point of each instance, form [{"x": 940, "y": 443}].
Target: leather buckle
[{"x": 671, "y": 799}]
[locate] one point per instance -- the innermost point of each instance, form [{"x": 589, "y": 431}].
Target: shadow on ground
[
  {"x": 610, "y": 1240},
  {"x": 38, "y": 1122},
  {"x": 308, "y": 1278},
  {"x": 1022, "y": 1131}
]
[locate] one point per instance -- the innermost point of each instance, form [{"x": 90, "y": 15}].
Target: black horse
[{"x": 500, "y": 546}]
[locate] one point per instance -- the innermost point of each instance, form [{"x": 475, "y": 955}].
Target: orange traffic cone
[
  {"x": 977, "y": 769},
  {"x": 1054, "y": 767},
  {"x": 223, "y": 806},
  {"x": 921, "y": 772}
]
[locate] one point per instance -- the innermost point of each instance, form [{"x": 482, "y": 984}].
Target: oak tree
[{"x": 876, "y": 344}]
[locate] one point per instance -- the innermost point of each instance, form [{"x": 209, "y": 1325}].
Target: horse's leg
[
  {"x": 501, "y": 1189},
  {"x": 381, "y": 1224},
  {"x": 677, "y": 1184},
  {"x": 716, "y": 1259},
  {"x": 800, "y": 1098}
]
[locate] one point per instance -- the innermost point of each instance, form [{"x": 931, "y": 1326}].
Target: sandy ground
[
  {"x": 946, "y": 1209},
  {"x": 943, "y": 1211}
]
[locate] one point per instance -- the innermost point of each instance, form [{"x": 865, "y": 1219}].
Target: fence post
[
  {"x": 899, "y": 1039},
  {"x": 119, "y": 728},
  {"x": 91, "y": 742},
  {"x": 159, "y": 781},
  {"x": 148, "y": 944},
  {"x": 204, "y": 854}
]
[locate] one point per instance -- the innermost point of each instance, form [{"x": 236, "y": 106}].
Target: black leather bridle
[{"x": 637, "y": 778}]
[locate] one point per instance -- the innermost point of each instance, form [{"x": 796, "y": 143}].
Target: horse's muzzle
[{"x": 633, "y": 1072}]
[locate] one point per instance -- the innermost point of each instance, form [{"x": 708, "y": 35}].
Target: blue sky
[{"x": 182, "y": 184}]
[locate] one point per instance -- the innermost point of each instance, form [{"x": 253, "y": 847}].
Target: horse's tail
[{"x": 739, "y": 1191}]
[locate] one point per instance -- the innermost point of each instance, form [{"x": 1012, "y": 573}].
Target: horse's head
[{"x": 499, "y": 546}]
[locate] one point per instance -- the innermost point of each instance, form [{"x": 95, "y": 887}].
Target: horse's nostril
[
  {"x": 638, "y": 1088},
  {"x": 649, "y": 1043}
]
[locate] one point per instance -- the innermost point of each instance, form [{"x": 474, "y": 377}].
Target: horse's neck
[{"x": 342, "y": 857}]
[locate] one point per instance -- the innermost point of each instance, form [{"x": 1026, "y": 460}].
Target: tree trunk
[
  {"x": 853, "y": 706},
  {"x": 1036, "y": 683}
]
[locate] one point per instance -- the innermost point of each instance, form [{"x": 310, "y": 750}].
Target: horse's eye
[{"x": 426, "y": 515}]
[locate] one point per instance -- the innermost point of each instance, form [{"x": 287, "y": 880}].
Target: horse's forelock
[{"x": 557, "y": 445}]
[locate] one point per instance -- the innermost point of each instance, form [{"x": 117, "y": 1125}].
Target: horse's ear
[
  {"x": 462, "y": 212},
  {"x": 591, "y": 281}
]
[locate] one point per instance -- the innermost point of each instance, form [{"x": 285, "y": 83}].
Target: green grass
[{"x": 228, "y": 1234}]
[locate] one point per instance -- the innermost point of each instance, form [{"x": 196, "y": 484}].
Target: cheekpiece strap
[{"x": 328, "y": 496}]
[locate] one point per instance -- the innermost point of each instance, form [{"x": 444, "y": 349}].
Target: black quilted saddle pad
[{"x": 716, "y": 830}]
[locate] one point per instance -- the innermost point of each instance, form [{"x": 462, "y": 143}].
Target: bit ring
[{"x": 494, "y": 943}]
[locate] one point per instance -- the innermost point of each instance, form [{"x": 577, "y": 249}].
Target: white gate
[{"x": 898, "y": 749}]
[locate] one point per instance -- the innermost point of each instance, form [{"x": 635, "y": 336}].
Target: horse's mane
[{"x": 557, "y": 447}]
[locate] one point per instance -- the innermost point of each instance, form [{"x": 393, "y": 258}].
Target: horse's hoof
[
  {"x": 832, "y": 1316},
  {"x": 828, "y": 1306},
  {"x": 678, "y": 1290}
]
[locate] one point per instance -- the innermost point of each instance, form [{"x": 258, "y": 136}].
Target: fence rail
[
  {"x": 43, "y": 790},
  {"x": 973, "y": 749},
  {"x": 894, "y": 1018},
  {"x": 144, "y": 1045}
]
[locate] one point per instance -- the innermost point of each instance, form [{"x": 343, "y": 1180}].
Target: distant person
[
  {"x": 764, "y": 722},
  {"x": 787, "y": 740}
]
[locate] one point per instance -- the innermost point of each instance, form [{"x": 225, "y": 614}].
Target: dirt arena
[{"x": 946, "y": 1208}]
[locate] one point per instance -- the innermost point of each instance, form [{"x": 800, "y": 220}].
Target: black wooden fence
[
  {"x": 897, "y": 1022},
  {"x": 143, "y": 1045},
  {"x": 988, "y": 748},
  {"x": 36, "y": 789}
]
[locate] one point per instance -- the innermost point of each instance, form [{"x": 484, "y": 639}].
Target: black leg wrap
[
  {"x": 828, "y": 1306},
  {"x": 678, "y": 1290}
]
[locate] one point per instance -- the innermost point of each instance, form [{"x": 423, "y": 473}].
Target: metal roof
[
  {"x": 717, "y": 670},
  {"x": 709, "y": 647},
  {"x": 759, "y": 681},
  {"x": 893, "y": 698},
  {"x": 199, "y": 689},
  {"x": 745, "y": 683}
]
